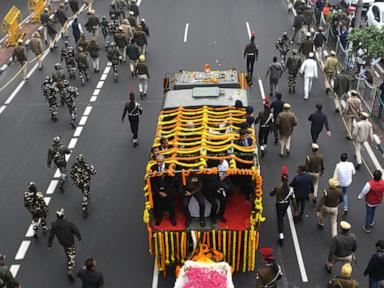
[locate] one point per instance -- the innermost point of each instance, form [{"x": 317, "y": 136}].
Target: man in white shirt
[
  {"x": 343, "y": 173},
  {"x": 309, "y": 70},
  {"x": 362, "y": 132}
]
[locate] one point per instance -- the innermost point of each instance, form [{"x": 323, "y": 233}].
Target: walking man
[
  {"x": 114, "y": 57},
  {"x": 352, "y": 111},
  {"x": 82, "y": 65},
  {"x": 314, "y": 165},
  {"x": 6, "y": 277},
  {"x": 274, "y": 72},
  {"x": 362, "y": 132},
  {"x": 328, "y": 205},
  {"x": 298, "y": 23},
  {"x": 121, "y": 43},
  {"x": 307, "y": 46},
  {"x": 20, "y": 53},
  {"x": 44, "y": 17},
  {"x": 277, "y": 107},
  {"x": 49, "y": 91},
  {"x": 94, "y": 52},
  {"x": 251, "y": 53},
  {"x": 343, "y": 245},
  {"x": 37, "y": 48},
  {"x": 373, "y": 192},
  {"x": 375, "y": 267},
  {"x": 318, "y": 120},
  {"x": 58, "y": 77},
  {"x": 90, "y": 277},
  {"x": 93, "y": 24},
  {"x": 35, "y": 204},
  {"x": 141, "y": 39},
  {"x": 68, "y": 55},
  {"x": 330, "y": 69},
  {"x": 81, "y": 173},
  {"x": 70, "y": 94},
  {"x": 302, "y": 185},
  {"x": 57, "y": 153},
  {"x": 270, "y": 273},
  {"x": 283, "y": 45},
  {"x": 344, "y": 171},
  {"x": 293, "y": 65},
  {"x": 319, "y": 41},
  {"x": 143, "y": 75},
  {"x": 309, "y": 71},
  {"x": 133, "y": 56},
  {"x": 285, "y": 123},
  {"x": 64, "y": 231},
  {"x": 265, "y": 118},
  {"x": 345, "y": 280},
  {"x": 134, "y": 111}
]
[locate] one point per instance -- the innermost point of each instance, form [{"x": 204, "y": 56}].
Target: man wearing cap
[
  {"x": 132, "y": 20},
  {"x": 251, "y": 52},
  {"x": 274, "y": 72},
  {"x": 121, "y": 43},
  {"x": 319, "y": 41},
  {"x": 145, "y": 27},
  {"x": 306, "y": 46},
  {"x": 285, "y": 123},
  {"x": 93, "y": 24},
  {"x": 343, "y": 245},
  {"x": 143, "y": 75},
  {"x": 265, "y": 118},
  {"x": 6, "y": 278},
  {"x": 314, "y": 165},
  {"x": 141, "y": 39},
  {"x": 64, "y": 231},
  {"x": 302, "y": 185},
  {"x": 134, "y": 111},
  {"x": 345, "y": 280},
  {"x": 309, "y": 70},
  {"x": 277, "y": 107},
  {"x": 330, "y": 69},
  {"x": 375, "y": 267},
  {"x": 328, "y": 205},
  {"x": 293, "y": 65},
  {"x": 270, "y": 273},
  {"x": 373, "y": 192},
  {"x": 44, "y": 21},
  {"x": 114, "y": 57},
  {"x": 37, "y": 48},
  {"x": 362, "y": 132},
  {"x": 20, "y": 53},
  {"x": 352, "y": 110},
  {"x": 133, "y": 7},
  {"x": 318, "y": 120}
]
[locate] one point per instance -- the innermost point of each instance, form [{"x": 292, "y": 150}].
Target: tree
[{"x": 372, "y": 41}]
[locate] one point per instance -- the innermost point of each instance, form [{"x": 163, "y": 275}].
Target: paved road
[
  {"x": 114, "y": 233},
  {"x": 5, "y": 6}
]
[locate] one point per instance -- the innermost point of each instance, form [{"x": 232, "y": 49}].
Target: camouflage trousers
[
  {"x": 72, "y": 111},
  {"x": 84, "y": 76},
  {"x": 63, "y": 175},
  {"x": 85, "y": 197},
  {"x": 71, "y": 68},
  {"x": 291, "y": 82},
  {"x": 115, "y": 68},
  {"x": 52, "y": 104},
  {"x": 70, "y": 252},
  {"x": 37, "y": 220}
]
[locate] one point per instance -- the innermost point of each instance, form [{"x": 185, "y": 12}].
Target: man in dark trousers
[
  {"x": 6, "y": 278},
  {"x": 375, "y": 268},
  {"x": 64, "y": 230},
  {"x": 90, "y": 277},
  {"x": 265, "y": 118},
  {"x": 251, "y": 52},
  {"x": 293, "y": 65},
  {"x": 302, "y": 186},
  {"x": 163, "y": 191},
  {"x": 74, "y": 5},
  {"x": 56, "y": 153},
  {"x": 318, "y": 120},
  {"x": 134, "y": 111},
  {"x": 20, "y": 53},
  {"x": 277, "y": 107}
]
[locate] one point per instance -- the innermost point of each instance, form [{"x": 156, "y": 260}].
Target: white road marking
[
  {"x": 186, "y": 32},
  {"x": 372, "y": 156},
  {"x": 72, "y": 143},
  {"x": 248, "y": 29},
  {"x": 83, "y": 120},
  {"x": 22, "y": 249},
  {"x": 78, "y": 131},
  {"x": 103, "y": 77},
  {"x": 30, "y": 231},
  {"x": 93, "y": 99},
  {"x": 87, "y": 110},
  {"x": 52, "y": 186},
  {"x": 14, "y": 269},
  {"x": 67, "y": 157},
  {"x": 295, "y": 239},
  {"x": 47, "y": 200},
  {"x": 57, "y": 173},
  {"x": 138, "y": 2},
  {"x": 18, "y": 88},
  {"x": 261, "y": 88},
  {"x": 155, "y": 279},
  {"x": 107, "y": 69},
  {"x": 100, "y": 84},
  {"x": 2, "y": 108},
  {"x": 96, "y": 92}
]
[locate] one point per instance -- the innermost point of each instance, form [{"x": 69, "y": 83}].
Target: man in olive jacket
[
  {"x": 37, "y": 48},
  {"x": 285, "y": 123},
  {"x": 293, "y": 65},
  {"x": 330, "y": 68}
]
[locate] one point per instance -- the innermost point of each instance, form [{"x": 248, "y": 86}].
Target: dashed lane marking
[
  {"x": 78, "y": 131},
  {"x": 14, "y": 93},
  {"x": 100, "y": 84},
  {"x": 248, "y": 29},
  {"x": 47, "y": 200},
  {"x": 96, "y": 92},
  {"x": 93, "y": 99},
  {"x": 30, "y": 231},
  {"x": 261, "y": 88},
  {"x": 72, "y": 143},
  {"x": 14, "y": 269},
  {"x": 57, "y": 173},
  {"x": 87, "y": 110},
  {"x": 107, "y": 69},
  {"x": 104, "y": 76},
  {"x": 186, "y": 32},
  {"x": 2, "y": 108},
  {"x": 22, "y": 249},
  {"x": 52, "y": 185},
  {"x": 83, "y": 120}
]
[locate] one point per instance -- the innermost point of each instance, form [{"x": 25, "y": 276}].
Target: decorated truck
[{"x": 202, "y": 115}]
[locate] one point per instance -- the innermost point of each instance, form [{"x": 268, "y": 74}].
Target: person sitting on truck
[
  {"x": 214, "y": 191},
  {"x": 164, "y": 144}
]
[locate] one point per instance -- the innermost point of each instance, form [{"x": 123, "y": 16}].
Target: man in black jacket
[
  {"x": 64, "y": 231},
  {"x": 375, "y": 268},
  {"x": 6, "y": 278},
  {"x": 252, "y": 53},
  {"x": 302, "y": 186},
  {"x": 318, "y": 119},
  {"x": 134, "y": 111},
  {"x": 90, "y": 277},
  {"x": 133, "y": 53},
  {"x": 277, "y": 107}
]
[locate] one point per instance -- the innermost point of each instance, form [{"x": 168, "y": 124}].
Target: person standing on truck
[
  {"x": 134, "y": 111},
  {"x": 251, "y": 52}
]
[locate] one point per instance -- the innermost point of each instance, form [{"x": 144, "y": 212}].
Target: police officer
[
  {"x": 35, "y": 204},
  {"x": 121, "y": 43},
  {"x": 20, "y": 53},
  {"x": 270, "y": 273},
  {"x": 265, "y": 118},
  {"x": 251, "y": 52},
  {"x": 68, "y": 55},
  {"x": 57, "y": 153},
  {"x": 114, "y": 57},
  {"x": 284, "y": 196},
  {"x": 81, "y": 173},
  {"x": 71, "y": 93},
  {"x": 64, "y": 230},
  {"x": 58, "y": 76},
  {"x": 143, "y": 75},
  {"x": 345, "y": 279},
  {"x": 283, "y": 45},
  {"x": 49, "y": 91},
  {"x": 6, "y": 278},
  {"x": 293, "y": 65},
  {"x": 134, "y": 110},
  {"x": 82, "y": 65},
  {"x": 314, "y": 165},
  {"x": 133, "y": 7},
  {"x": 353, "y": 108}
]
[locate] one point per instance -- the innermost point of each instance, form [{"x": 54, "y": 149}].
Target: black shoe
[
  {"x": 132, "y": 74},
  {"x": 280, "y": 242},
  {"x": 314, "y": 201},
  {"x": 202, "y": 223},
  {"x": 54, "y": 119},
  {"x": 276, "y": 140},
  {"x": 294, "y": 90},
  {"x": 281, "y": 155},
  {"x": 61, "y": 189},
  {"x": 345, "y": 212},
  {"x": 85, "y": 214},
  {"x": 115, "y": 80},
  {"x": 36, "y": 236},
  {"x": 329, "y": 271},
  {"x": 320, "y": 226},
  {"x": 348, "y": 137},
  {"x": 213, "y": 220},
  {"x": 73, "y": 125},
  {"x": 40, "y": 68},
  {"x": 70, "y": 276},
  {"x": 173, "y": 222},
  {"x": 158, "y": 222},
  {"x": 135, "y": 144},
  {"x": 357, "y": 166},
  {"x": 287, "y": 153},
  {"x": 141, "y": 95},
  {"x": 327, "y": 90},
  {"x": 188, "y": 222},
  {"x": 222, "y": 219}
]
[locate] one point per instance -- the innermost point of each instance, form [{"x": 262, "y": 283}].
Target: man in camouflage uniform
[
  {"x": 49, "y": 91},
  {"x": 35, "y": 204},
  {"x": 113, "y": 25},
  {"x": 57, "y": 153},
  {"x": 114, "y": 57},
  {"x": 82, "y": 65},
  {"x": 58, "y": 77},
  {"x": 68, "y": 54},
  {"x": 122, "y": 5},
  {"x": 293, "y": 65},
  {"x": 81, "y": 175},
  {"x": 283, "y": 45},
  {"x": 70, "y": 94},
  {"x": 105, "y": 31}
]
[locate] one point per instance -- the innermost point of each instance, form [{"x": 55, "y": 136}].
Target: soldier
[
  {"x": 314, "y": 165},
  {"x": 270, "y": 273},
  {"x": 105, "y": 31},
  {"x": 265, "y": 118},
  {"x": 352, "y": 111},
  {"x": 143, "y": 74},
  {"x": 35, "y": 204},
  {"x": 37, "y": 48},
  {"x": 81, "y": 173},
  {"x": 121, "y": 43},
  {"x": 306, "y": 46},
  {"x": 49, "y": 91},
  {"x": 345, "y": 279},
  {"x": 71, "y": 93},
  {"x": 57, "y": 153},
  {"x": 114, "y": 57},
  {"x": 6, "y": 277},
  {"x": 133, "y": 55},
  {"x": 64, "y": 230},
  {"x": 58, "y": 77},
  {"x": 82, "y": 65},
  {"x": 283, "y": 44},
  {"x": 20, "y": 53},
  {"x": 284, "y": 196},
  {"x": 121, "y": 7},
  {"x": 252, "y": 53},
  {"x": 293, "y": 65},
  {"x": 68, "y": 54},
  {"x": 133, "y": 7},
  {"x": 113, "y": 24},
  {"x": 134, "y": 110},
  {"x": 362, "y": 132},
  {"x": 330, "y": 69},
  {"x": 285, "y": 122}
]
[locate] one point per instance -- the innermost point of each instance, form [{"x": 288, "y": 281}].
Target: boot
[
  {"x": 36, "y": 235},
  {"x": 85, "y": 214}
]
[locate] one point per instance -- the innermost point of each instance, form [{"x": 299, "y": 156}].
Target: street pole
[{"x": 359, "y": 9}]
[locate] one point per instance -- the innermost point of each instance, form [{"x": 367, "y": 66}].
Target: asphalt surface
[
  {"x": 114, "y": 234},
  {"x": 5, "y": 6}
]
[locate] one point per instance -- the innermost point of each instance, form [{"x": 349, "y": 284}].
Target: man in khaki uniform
[
  {"x": 352, "y": 110},
  {"x": 362, "y": 132},
  {"x": 328, "y": 205},
  {"x": 20, "y": 53},
  {"x": 330, "y": 69},
  {"x": 345, "y": 279},
  {"x": 285, "y": 123},
  {"x": 37, "y": 48},
  {"x": 314, "y": 165},
  {"x": 270, "y": 274}
]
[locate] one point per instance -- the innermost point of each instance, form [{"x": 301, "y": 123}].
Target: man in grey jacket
[{"x": 274, "y": 72}]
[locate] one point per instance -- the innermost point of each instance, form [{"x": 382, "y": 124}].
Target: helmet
[
  {"x": 47, "y": 79},
  {"x": 142, "y": 20},
  {"x": 141, "y": 58},
  {"x": 57, "y": 66},
  {"x": 32, "y": 187},
  {"x": 80, "y": 49},
  {"x": 112, "y": 44},
  {"x": 66, "y": 43},
  {"x": 104, "y": 18},
  {"x": 56, "y": 139},
  {"x": 66, "y": 82},
  {"x": 80, "y": 158},
  {"x": 113, "y": 16}
]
